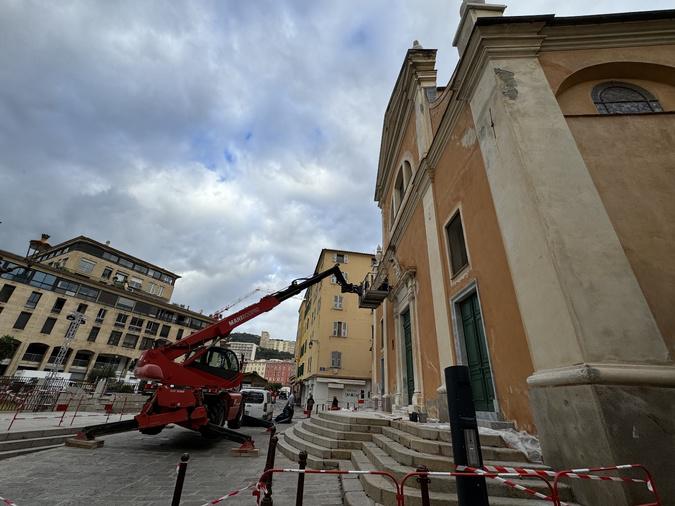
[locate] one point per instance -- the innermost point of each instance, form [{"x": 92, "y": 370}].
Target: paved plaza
[{"x": 133, "y": 468}]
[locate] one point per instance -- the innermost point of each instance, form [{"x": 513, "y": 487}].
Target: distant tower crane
[{"x": 218, "y": 315}]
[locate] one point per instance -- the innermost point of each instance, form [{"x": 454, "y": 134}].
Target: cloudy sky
[{"x": 227, "y": 141}]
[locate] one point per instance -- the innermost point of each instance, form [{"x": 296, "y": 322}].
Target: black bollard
[
  {"x": 180, "y": 479},
  {"x": 302, "y": 464},
  {"x": 269, "y": 464},
  {"x": 466, "y": 451},
  {"x": 424, "y": 485}
]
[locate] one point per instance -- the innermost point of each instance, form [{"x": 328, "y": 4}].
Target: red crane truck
[{"x": 201, "y": 392}]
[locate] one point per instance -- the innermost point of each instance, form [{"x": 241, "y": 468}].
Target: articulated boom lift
[{"x": 202, "y": 391}]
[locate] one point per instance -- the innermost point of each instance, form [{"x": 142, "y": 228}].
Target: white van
[{"x": 257, "y": 403}]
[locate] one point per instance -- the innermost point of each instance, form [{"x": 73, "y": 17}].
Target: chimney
[{"x": 469, "y": 12}]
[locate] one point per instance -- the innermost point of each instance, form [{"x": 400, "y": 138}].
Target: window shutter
[
  {"x": 344, "y": 329},
  {"x": 346, "y": 258},
  {"x": 334, "y": 257},
  {"x": 335, "y": 328}
]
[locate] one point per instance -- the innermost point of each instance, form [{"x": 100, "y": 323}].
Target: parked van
[{"x": 257, "y": 403}]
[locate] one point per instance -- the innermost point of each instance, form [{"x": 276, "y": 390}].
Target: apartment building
[
  {"x": 256, "y": 366},
  {"x": 334, "y": 334},
  {"x": 276, "y": 344},
  {"x": 279, "y": 371},
  {"x": 125, "y": 301},
  {"x": 246, "y": 349},
  {"x": 528, "y": 233}
]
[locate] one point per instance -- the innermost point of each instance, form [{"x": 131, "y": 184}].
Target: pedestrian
[
  {"x": 310, "y": 405},
  {"x": 334, "y": 405},
  {"x": 287, "y": 414}
]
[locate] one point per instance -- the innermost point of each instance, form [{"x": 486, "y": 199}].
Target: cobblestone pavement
[{"x": 136, "y": 469}]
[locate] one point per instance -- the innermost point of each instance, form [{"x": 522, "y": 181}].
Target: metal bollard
[
  {"x": 269, "y": 464},
  {"x": 180, "y": 479},
  {"x": 424, "y": 485},
  {"x": 302, "y": 463}
]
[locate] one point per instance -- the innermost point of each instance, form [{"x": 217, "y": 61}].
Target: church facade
[{"x": 529, "y": 232}]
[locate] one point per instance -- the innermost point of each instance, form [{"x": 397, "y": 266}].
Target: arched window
[{"x": 614, "y": 97}]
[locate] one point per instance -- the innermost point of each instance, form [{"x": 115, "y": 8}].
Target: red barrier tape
[
  {"x": 584, "y": 474},
  {"x": 232, "y": 494},
  {"x": 7, "y": 501}
]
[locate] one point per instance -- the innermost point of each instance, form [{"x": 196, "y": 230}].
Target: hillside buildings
[
  {"x": 334, "y": 335},
  {"x": 273, "y": 370},
  {"x": 125, "y": 300},
  {"x": 276, "y": 344},
  {"x": 529, "y": 232}
]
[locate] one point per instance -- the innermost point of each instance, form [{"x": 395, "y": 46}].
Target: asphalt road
[{"x": 133, "y": 468}]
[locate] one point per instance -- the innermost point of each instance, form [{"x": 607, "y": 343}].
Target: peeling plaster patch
[
  {"x": 469, "y": 138},
  {"x": 509, "y": 85}
]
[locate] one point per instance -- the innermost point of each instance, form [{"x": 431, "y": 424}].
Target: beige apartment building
[
  {"x": 334, "y": 334},
  {"x": 256, "y": 366},
  {"x": 529, "y": 233},
  {"x": 125, "y": 301},
  {"x": 276, "y": 344}
]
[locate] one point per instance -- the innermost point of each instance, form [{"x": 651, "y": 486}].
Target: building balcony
[{"x": 374, "y": 290}]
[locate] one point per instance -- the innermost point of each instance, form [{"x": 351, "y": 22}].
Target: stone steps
[
  {"x": 382, "y": 490},
  {"x": 13, "y": 444},
  {"x": 445, "y": 449},
  {"x": 380, "y": 459},
  {"x": 312, "y": 426},
  {"x": 344, "y": 440},
  {"x": 303, "y": 430},
  {"x": 292, "y": 453}
]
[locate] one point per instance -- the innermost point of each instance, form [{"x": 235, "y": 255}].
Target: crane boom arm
[{"x": 223, "y": 327}]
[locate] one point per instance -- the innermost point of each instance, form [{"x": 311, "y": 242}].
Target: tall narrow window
[
  {"x": 456, "y": 245},
  {"x": 337, "y": 302},
  {"x": 6, "y": 292},
  {"x": 179, "y": 336},
  {"x": 101, "y": 315},
  {"x": 58, "y": 305},
  {"x": 121, "y": 320},
  {"x": 336, "y": 359},
  {"x": 165, "y": 331},
  {"x": 48, "y": 325},
  {"x": 614, "y": 97},
  {"x": 33, "y": 300},
  {"x": 22, "y": 320},
  {"x": 93, "y": 334},
  {"x": 340, "y": 329},
  {"x": 82, "y": 308}
]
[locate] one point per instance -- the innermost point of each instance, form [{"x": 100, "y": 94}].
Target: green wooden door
[
  {"x": 407, "y": 343},
  {"x": 477, "y": 354}
]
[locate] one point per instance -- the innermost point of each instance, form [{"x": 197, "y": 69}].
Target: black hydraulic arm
[{"x": 299, "y": 285}]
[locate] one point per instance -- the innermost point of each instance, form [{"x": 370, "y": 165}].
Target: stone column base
[
  {"x": 586, "y": 418},
  {"x": 442, "y": 403}
]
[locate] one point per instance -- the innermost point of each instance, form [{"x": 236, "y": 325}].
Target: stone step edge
[
  {"x": 338, "y": 435},
  {"x": 401, "y": 469},
  {"x": 16, "y": 444},
  {"x": 354, "y": 419},
  {"x": 494, "y": 450},
  {"x": 431, "y": 456},
  {"x": 292, "y": 453},
  {"x": 35, "y": 433},
  {"x": 337, "y": 444},
  {"x": 7, "y": 454}
]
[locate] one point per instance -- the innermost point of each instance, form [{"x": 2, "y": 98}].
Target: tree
[
  {"x": 275, "y": 387},
  {"x": 101, "y": 372},
  {"x": 8, "y": 346}
]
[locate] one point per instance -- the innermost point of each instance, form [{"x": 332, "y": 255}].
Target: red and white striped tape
[
  {"x": 582, "y": 473},
  {"x": 233, "y": 493},
  {"x": 9, "y": 502}
]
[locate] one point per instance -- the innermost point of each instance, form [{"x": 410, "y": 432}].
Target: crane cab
[{"x": 221, "y": 362}]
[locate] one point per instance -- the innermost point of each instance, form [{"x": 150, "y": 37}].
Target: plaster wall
[{"x": 460, "y": 182}]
